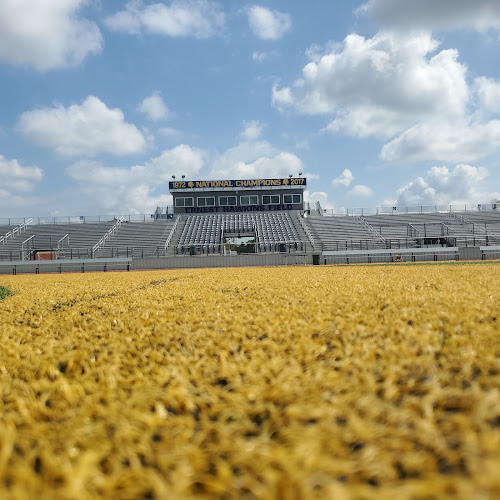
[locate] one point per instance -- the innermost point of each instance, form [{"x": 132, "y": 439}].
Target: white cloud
[
  {"x": 16, "y": 178},
  {"x": 268, "y": 24},
  {"x": 187, "y": 18},
  {"x": 255, "y": 161},
  {"x": 361, "y": 191},
  {"x": 380, "y": 86},
  {"x": 252, "y": 130},
  {"x": 170, "y": 133},
  {"x": 441, "y": 15},
  {"x": 442, "y": 186},
  {"x": 252, "y": 158},
  {"x": 444, "y": 141},
  {"x": 344, "y": 179},
  {"x": 135, "y": 189},
  {"x": 263, "y": 56},
  {"x": 399, "y": 87},
  {"x": 488, "y": 92},
  {"x": 154, "y": 107},
  {"x": 46, "y": 34},
  {"x": 82, "y": 130},
  {"x": 320, "y": 196},
  {"x": 282, "y": 98}
]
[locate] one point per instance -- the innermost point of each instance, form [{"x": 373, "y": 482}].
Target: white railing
[
  {"x": 371, "y": 229},
  {"x": 63, "y": 242},
  {"x": 416, "y": 209},
  {"x": 97, "y": 247},
  {"x": 309, "y": 234},
  {"x": 81, "y": 219},
  {"x": 171, "y": 235},
  {"x": 412, "y": 231},
  {"x": 26, "y": 245},
  {"x": 17, "y": 230}
]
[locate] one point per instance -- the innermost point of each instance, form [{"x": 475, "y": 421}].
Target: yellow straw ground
[{"x": 319, "y": 382}]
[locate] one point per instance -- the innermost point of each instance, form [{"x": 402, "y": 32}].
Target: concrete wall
[
  {"x": 222, "y": 261},
  {"x": 469, "y": 253},
  {"x": 277, "y": 259},
  {"x": 65, "y": 266}
]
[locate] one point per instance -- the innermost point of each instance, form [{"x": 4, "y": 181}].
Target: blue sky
[{"x": 377, "y": 102}]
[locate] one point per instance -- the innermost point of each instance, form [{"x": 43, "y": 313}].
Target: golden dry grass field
[{"x": 369, "y": 382}]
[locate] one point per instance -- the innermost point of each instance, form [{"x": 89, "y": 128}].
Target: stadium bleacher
[
  {"x": 137, "y": 239},
  {"x": 272, "y": 232},
  {"x": 268, "y": 229}
]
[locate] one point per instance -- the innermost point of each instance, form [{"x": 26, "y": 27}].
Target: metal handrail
[
  {"x": 27, "y": 242},
  {"x": 371, "y": 229},
  {"x": 412, "y": 231},
  {"x": 309, "y": 234},
  {"x": 97, "y": 247},
  {"x": 171, "y": 235},
  {"x": 64, "y": 239},
  {"x": 318, "y": 208},
  {"x": 18, "y": 229}
]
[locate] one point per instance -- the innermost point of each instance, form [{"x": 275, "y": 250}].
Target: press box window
[
  {"x": 206, "y": 202},
  {"x": 292, "y": 198},
  {"x": 227, "y": 201},
  {"x": 269, "y": 199},
  {"x": 249, "y": 200},
  {"x": 184, "y": 202}
]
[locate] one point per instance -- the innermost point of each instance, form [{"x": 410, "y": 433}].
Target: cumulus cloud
[
  {"x": 254, "y": 161},
  {"x": 318, "y": 196},
  {"x": 443, "y": 15},
  {"x": 154, "y": 107},
  {"x": 488, "y": 92},
  {"x": 282, "y": 98},
  {"x": 380, "y": 86},
  {"x": 251, "y": 130},
  {"x": 17, "y": 178},
  {"x": 399, "y": 87},
  {"x": 137, "y": 189},
  {"x": 46, "y": 34},
  {"x": 268, "y": 24},
  {"x": 441, "y": 186},
  {"x": 188, "y": 18},
  {"x": 344, "y": 179},
  {"x": 361, "y": 191},
  {"x": 254, "y": 158},
  {"x": 82, "y": 130},
  {"x": 444, "y": 141}
]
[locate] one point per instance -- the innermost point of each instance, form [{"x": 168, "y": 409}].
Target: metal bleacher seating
[
  {"x": 131, "y": 239},
  {"x": 269, "y": 230},
  {"x": 405, "y": 230},
  {"x": 77, "y": 238},
  {"x": 138, "y": 239},
  {"x": 343, "y": 233}
]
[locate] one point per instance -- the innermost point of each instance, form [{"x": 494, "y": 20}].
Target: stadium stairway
[{"x": 137, "y": 239}]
